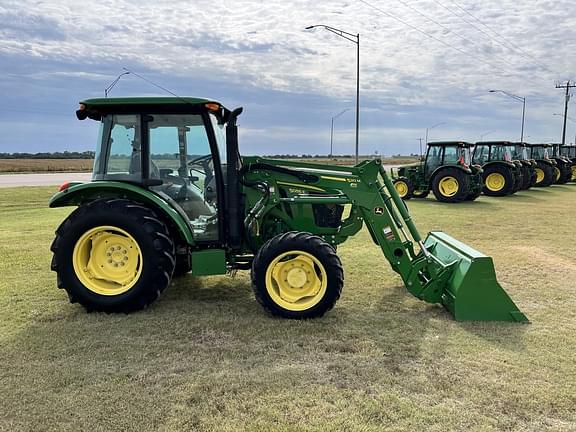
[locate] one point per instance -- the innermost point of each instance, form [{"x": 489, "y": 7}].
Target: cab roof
[
  {"x": 494, "y": 143},
  {"x": 98, "y": 107},
  {"x": 144, "y": 101},
  {"x": 451, "y": 143}
]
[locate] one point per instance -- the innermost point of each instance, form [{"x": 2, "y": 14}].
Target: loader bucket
[{"x": 472, "y": 292}]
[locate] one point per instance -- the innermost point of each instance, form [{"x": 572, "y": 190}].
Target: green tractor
[
  {"x": 446, "y": 170},
  {"x": 564, "y": 164},
  {"x": 502, "y": 174},
  {"x": 569, "y": 151},
  {"x": 521, "y": 154},
  {"x": 170, "y": 194},
  {"x": 546, "y": 170}
]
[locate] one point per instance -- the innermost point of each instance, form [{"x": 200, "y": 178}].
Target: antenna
[
  {"x": 111, "y": 86},
  {"x": 128, "y": 71}
]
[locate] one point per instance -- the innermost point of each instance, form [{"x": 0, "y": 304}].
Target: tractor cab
[
  {"x": 175, "y": 147},
  {"x": 547, "y": 171},
  {"x": 447, "y": 153},
  {"x": 569, "y": 152}
]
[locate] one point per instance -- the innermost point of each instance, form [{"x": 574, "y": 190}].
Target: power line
[
  {"x": 394, "y": 17},
  {"x": 513, "y": 45},
  {"x": 447, "y": 28}
]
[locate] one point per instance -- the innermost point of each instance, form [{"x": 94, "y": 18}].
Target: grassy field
[
  {"x": 205, "y": 357},
  {"x": 8, "y": 166}
]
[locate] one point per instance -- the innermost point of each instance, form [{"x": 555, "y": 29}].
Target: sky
[{"x": 424, "y": 64}]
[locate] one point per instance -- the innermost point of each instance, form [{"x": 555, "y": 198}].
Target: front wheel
[
  {"x": 297, "y": 275},
  {"x": 404, "y": 188},
  {"x": 113, "y": 256}
]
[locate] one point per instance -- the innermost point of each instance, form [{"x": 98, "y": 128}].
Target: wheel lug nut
[{"x": 110, "y": 261}]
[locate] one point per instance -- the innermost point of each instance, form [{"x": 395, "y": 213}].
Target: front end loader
[{"x": 170, "y": 194}]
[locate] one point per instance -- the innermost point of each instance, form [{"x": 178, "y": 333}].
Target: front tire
[
  {"x": 113, "y": 255},
  {"x": 404, "y": 188},
  {"x": 297, "y": 275}
]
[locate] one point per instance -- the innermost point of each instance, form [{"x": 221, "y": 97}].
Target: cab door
[{"x": 181, "y": 156}]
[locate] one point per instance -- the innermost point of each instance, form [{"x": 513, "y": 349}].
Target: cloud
[{"x": 257, "y": 53}]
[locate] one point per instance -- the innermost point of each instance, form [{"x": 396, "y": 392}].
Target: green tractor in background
[
  {"x": 502, "y": 174},
  {"x": 521, "y": 153},
  {"x": 446, "y": 170},
  {"x": 546, "y": 170},
  {"x": 564, "y": 163},
  {"x": 569, "y": 151},
  {"x": 170, "y": 194}
]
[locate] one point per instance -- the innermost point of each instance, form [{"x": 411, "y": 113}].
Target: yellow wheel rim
[
  {"x": 107, "y": 260},
  {"x": 556, "y": 174},
  {"x": 539, "y": 175},
  {"x": 448, "y": 186},
  {"x": 495, "y": 182},
  {"x": 574, "y": 172},
  {"x": 296, "y": 280},
  {"x": 401, "y": 188}
]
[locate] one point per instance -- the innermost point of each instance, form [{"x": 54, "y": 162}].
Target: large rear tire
[
  {"x": 498, "y": 180},
  {"x": 544, "y": 174},
  {"x": 451, "y": 185},
  {"x": 297, "y": 275},
  {"x": 113, "y": 255},
  {"x": 526, "y": 177}
]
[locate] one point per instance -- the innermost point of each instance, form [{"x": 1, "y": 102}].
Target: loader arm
[{"x": 435, "y": 271}]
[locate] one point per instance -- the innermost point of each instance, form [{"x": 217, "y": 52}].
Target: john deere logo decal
[{"x": 378, "y": 210}]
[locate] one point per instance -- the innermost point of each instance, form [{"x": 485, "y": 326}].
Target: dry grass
[
  {"x": 45, "y": 165},
  {"x": 206, "y": 358}
]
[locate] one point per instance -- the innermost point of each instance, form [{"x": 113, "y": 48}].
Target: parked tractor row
[{"x": 457, "y": 171}]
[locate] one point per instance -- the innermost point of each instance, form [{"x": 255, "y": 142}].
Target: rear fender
[
  {"x": 78, "y": 193},
  {"x": 510, "y": 165},
  {"x": 443, "y": 167}
]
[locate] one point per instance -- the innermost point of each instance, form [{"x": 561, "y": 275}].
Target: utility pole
[
  {"x": 568, "y": 86},
  {"x": 420, "y": 139}
]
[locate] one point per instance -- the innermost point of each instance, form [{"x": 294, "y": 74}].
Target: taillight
[{"x": 64, "y": 186}]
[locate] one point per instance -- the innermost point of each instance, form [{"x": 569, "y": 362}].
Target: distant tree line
[{"x": 49, "y": 155}]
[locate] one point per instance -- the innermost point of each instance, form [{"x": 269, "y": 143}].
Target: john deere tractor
[
  {"x": 447, "y": 171},
  {"x": 546, "y": 170},
  {"x": 502, "y": 174},
  {"x": 170, "y": 194},
  {"x": 564, "y": 164},
  {"x": 521, "y": 154},
  {"x": 569, "y": 151}
]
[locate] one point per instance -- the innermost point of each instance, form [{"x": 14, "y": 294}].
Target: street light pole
[
  {"x": 354, "y": 38},
  {"x": 486, "y": 133},
  {"x": 332, "y": 128},
  {"x": 518, "y": 98}
]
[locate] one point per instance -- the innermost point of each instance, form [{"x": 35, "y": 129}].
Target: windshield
[
  {"x": 520, "y": 152},
  {"x": 501, "y": 152},
  {"x": 540, "y": 152},
  {"x": 467, "y": 155}
]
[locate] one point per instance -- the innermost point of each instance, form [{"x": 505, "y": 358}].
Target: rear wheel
[
  {"x": 404, "y": 188},
  {"x": 544, "y": 174},
  {"x": 451, "y": 185},
  {"x": 113, "y": 256},
  {"x": 526, "y": 177},
  {"x": 297, "y": 275},
  {"x": 498, "y": 180},
  {"x": 573, "y": 172}
]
